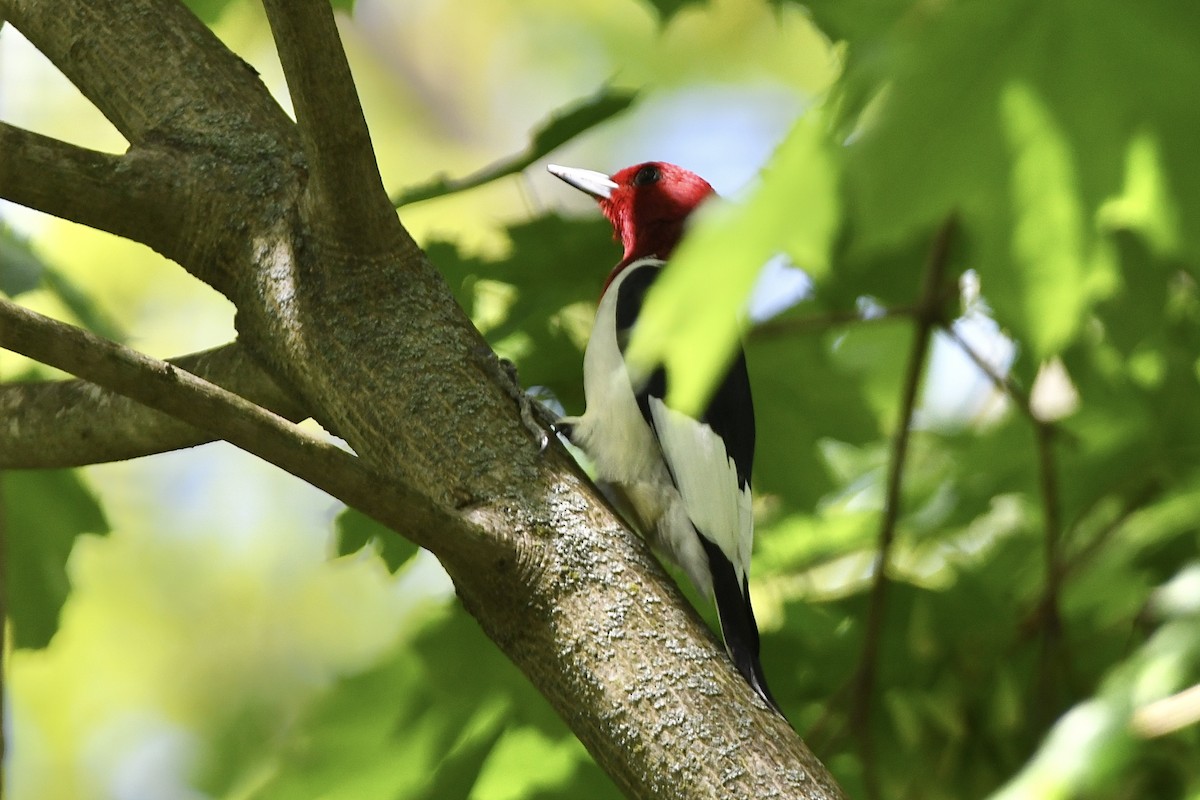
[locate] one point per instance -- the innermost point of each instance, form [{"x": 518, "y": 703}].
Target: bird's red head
[{"x": 647, "y": 204}]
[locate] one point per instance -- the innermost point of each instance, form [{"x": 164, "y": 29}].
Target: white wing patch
[{"x": 707, "y": 480}]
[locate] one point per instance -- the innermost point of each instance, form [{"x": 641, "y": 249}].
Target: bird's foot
[{"x": 534, "y": 415}]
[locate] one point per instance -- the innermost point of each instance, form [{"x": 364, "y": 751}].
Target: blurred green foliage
[{"x": 1044, "y": 604}]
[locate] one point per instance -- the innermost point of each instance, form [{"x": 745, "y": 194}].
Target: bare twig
[
  {"x": 226, "y": 416},
  {"x": 1047, "y": 615},
  {"x": 1003, "y": 383},
  {"x": 69, "y": 423},
  {"x": 929, "y": 314},
  {"x": 344, "y": 178},
  {"x": 1053, "y": 653}
]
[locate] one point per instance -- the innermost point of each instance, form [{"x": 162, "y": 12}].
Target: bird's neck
[{"x": 652, "y": 240}]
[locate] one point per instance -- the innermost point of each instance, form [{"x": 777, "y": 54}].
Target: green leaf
[
  {"x": 459, "y": 771},
  {"x": 356, "y": 531},
  {"x": 1049, "y": 247},
  {"x": 1028, "y": 143},
  {"x": 690, "y": 322},
  {"x": 563, "y": 125},
  {"x": 792, "y": 419},
  {"x": 45, "y": 510}
]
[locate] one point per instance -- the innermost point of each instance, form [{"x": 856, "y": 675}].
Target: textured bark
[{"x": 345, "y": 314}]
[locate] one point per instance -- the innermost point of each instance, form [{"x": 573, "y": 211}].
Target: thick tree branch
[
  {"x": 50, "y": 424},
  {"x": 929, "y": 313},
  {"x": 344, "y": 180},
  {"x": 193, "y": 90},
  {"x": 226, "y": 416},
  {"x": 124, "y": 195}
]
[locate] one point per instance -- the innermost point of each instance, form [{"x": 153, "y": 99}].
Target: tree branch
[
  {"x": 1003, "y": 383},
  {"x": 119, "y": 194},
  {"x": 224, "y": 415},
  {"x": 193, "y": 90},
  {"x": 1048, "y": 614},
  {"x": 929, "y": 314},
  {"x": 51, "y": 424},
  {"x": 344, "y": 179}
]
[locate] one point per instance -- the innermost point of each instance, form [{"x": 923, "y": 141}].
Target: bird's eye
[{"x": 647, "y": 175}]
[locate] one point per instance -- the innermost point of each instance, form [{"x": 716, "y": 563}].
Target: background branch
[
  {"x": 1048, "y": 615},
  {"x": 929, "y": 314},
  {"x": 71, "y": 423}
]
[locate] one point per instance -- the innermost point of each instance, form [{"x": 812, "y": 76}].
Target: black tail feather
[{"x": 738, "y": 627}]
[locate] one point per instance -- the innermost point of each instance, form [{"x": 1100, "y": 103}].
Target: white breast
[{"x": 625, "y": 450}]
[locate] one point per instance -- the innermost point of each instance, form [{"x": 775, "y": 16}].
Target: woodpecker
[{"x": 683, "y": 481}]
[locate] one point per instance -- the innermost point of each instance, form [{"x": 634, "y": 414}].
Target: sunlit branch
[
  {"x": 929, "y": 313},
  {"x": 119, "y": 194},
  {"x": 344, "y": 179},
  {"x": 227, "y": 416},
  {"x": 50, "y": 424},
  {"x": 103, "y": 47}
]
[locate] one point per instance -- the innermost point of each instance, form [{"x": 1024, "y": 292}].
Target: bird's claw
[{"x": 529, "y": 408}]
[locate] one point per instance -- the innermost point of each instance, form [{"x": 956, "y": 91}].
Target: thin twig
[
  {"x": 227, "y": 416},
  {"x": 929, "y": 314},
  {"x": 1048, "y": 612},
  {"x": 1003, "y": 383}
]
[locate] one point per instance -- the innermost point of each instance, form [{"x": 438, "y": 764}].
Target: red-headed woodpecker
[{"x": 684, "y": 482}]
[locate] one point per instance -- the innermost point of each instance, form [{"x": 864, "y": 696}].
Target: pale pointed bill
[{"x": 597, "y": 184}]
